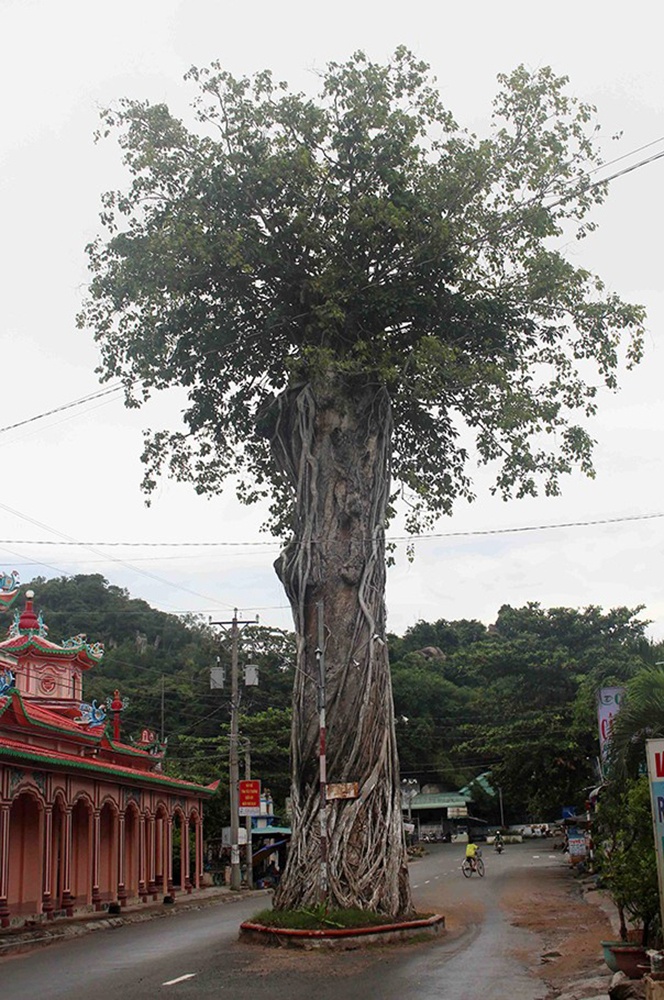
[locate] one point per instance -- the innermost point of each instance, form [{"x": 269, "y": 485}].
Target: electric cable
[{"x": 423, "y": 536}]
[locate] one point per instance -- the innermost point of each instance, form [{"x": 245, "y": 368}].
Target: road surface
[{"x": 196, "y": 954}]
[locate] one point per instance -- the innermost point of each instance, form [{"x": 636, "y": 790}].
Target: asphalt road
[{"x": 196, "y": 954}]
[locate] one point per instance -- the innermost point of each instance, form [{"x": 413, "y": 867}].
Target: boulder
[
  {"x": 586, "y": 989},
  {"x": 622, "y": 988}
]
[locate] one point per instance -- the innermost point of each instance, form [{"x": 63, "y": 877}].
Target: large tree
[{"x": 352, "y": 290}]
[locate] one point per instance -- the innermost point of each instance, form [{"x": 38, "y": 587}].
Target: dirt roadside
[{"x": 569, "y": 920}]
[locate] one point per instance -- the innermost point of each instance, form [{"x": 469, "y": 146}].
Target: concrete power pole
[
  {"x": 250, "y": 854},
  {"x": 234, "y": 773},
  {"x": 233, "y": 765}
]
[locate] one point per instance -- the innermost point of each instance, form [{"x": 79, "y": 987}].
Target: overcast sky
[{"x": 74, "y": 476}]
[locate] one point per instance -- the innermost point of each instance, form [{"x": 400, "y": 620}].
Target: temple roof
[
  {"x": 17, "y": 749},
  {"x": 31, "y": 719},
  {"x": 27, "y": 634},
  {"x": 30, "y": 714}
]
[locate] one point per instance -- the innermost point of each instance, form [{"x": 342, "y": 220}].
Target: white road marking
[
  {"x": 416, "y": 887},
  {"x": 180, "y": 979},
  {"x": 426, "y": 882}
]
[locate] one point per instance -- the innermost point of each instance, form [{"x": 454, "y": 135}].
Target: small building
[
  {"x": 86, "y": 820},
  {"x": 435, "y": 813}
]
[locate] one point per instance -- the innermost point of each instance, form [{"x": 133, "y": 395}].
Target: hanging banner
[
  {"x": 608, "y": 705},
  {"x": 655, "y": 756}
]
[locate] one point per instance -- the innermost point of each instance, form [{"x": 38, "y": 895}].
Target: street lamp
[
  {"x": 502, "y": 814},
  {"x": 409, "y": 789}
]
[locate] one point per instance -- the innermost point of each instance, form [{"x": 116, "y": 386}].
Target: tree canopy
[
  {"x": 361, "y": 233},
  {"x": 354, "y": 293},
  {"x": 517, "y": 698}
]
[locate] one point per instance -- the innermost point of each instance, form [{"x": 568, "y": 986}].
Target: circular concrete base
[{"x": 358, "y": 937}]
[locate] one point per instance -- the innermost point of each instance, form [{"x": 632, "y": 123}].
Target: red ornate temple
[{"x": 85, "y": 820}]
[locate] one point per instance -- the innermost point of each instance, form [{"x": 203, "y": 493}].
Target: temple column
[
  {"x": 4, "y": 863},
  {"x": 67, "y": 898},
  {"x": 152, "y": 850},
  {"x": 186, "y": 871},
  {"x": 47, "y": 855},
  {"x": 142, "y": 867},
  {"x": 96, "y": 851},
  {"x": 122, "y": 889},
  {"x": 169, "y": 855}
]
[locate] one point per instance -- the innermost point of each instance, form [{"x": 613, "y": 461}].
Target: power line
[
  {"x": 628, "y": 518},
  {"x": 531, "y": 527},
  {"x": 69, "y": 540},
  {"x": 65, "y": 406},
  {"x": 625, "y": 156}
]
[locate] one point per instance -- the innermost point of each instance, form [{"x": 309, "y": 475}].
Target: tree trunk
[{"x": 332, "y": 440}]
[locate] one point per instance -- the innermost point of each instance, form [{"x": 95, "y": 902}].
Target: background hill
[{"x": 516, "y": 697}]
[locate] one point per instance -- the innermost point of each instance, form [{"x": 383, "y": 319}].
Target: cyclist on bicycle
[{"x": 471, "y": 853}]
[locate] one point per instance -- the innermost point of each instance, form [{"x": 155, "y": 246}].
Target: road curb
[
  {"x": 341, "y": 938},
  {"x": 18, "y": 941}
]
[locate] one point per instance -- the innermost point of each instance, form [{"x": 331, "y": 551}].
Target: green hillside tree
[
  {"x": 342, "y": 285},
  {"x": 535, "y": 710}
]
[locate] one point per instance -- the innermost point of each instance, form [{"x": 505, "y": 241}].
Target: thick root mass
[{"x": 333, "y": 442}]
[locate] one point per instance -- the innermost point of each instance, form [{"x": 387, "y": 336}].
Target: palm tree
[{"x": 641, "y": 718}]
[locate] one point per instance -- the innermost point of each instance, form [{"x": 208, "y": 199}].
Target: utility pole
[
  {"x": 502, "y": 814},
  {"x": 162, "y": 708},
  {"x": 250, "y": 853},
  {"x": 320, "y": 656},
  {"x": 233, "y": 766}
]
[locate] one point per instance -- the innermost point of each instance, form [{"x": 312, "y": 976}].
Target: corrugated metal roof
[{"x": 438, "y": 800}]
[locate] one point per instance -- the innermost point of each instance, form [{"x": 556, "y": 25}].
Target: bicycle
[{"x": 471, "y": 865}]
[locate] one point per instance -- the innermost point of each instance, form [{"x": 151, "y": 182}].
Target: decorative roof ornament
[
  {"x": 9, "y": 586},
  {"x": 91, "y": 715},
  {"x": 75, "y": 642},
  {"x": 94, "y": 649},
  {"x": 43, "y": 627},
  {"x": 15, "y": 627},
  {"x": 115, "y": 706},
  {"x": 7, "y": 681},
  {"x": 150, "y": 742},
  {"x": 28, "y": 621}
]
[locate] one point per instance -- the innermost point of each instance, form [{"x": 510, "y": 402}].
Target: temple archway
[
  {"x": 162, "y": 830},
  {"x": 81, "y": 854},
  {"x": 25, "y": 855},
  {"x": 108, "y": 853},
  {"x": 180, "y": 848},
  {"x": 57, "y": 851},
  {"x": 131, "y": 850},
  {"x": 195, "y": 849}
]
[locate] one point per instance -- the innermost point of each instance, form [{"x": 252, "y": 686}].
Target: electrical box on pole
[
  {"x": 251, "y": 675},
  {"x": 217, "y": 678}
]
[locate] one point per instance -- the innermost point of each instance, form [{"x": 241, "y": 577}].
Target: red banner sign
[{"x": 249, "y": 798}]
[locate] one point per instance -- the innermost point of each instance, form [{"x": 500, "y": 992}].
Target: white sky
[{"x": 77, "y": 474}]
